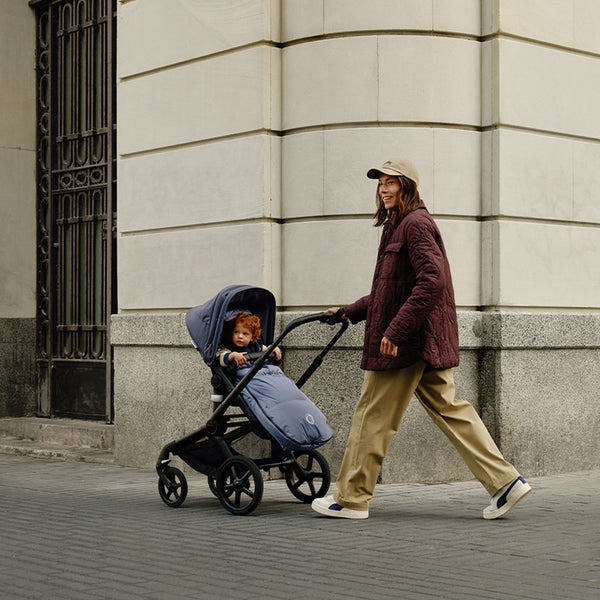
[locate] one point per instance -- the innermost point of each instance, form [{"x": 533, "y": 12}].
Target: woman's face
[{"x": 389, "y": 191}]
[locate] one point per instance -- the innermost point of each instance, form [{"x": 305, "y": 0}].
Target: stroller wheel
[
  {"x": 309, "y": 476},
  {"x": 173, "y": 491},
  {"x": 239, "y": 485},
  {"x": 212, "y": 484}
]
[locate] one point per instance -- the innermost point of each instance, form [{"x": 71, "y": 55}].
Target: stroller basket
[{"x": 288, "y": 420}]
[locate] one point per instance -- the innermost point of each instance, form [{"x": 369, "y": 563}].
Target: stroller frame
[{"x": 233, "y": 478}]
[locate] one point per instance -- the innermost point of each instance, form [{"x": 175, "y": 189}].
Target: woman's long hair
[{"x": 409, "y": 201}]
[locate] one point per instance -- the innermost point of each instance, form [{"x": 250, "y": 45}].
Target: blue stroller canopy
[{"x": 205, "y": 322}]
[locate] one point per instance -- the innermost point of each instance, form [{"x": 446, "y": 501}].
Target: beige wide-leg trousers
[{"x": 384, "y": 399}]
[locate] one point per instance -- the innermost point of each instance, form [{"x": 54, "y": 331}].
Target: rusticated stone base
[
  {"x": 17, "y": 368},
  {"x": 533, "y": 377}
]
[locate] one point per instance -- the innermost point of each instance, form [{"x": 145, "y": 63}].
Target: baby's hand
[
  {"x": 277, "y": 353},
  {"x": 238, "y": 357}
]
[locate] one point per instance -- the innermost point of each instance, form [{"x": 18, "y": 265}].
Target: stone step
[{"x": 64, "y": 439}]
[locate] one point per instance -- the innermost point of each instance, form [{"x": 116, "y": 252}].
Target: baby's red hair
[{"x": 250, "y": 322}]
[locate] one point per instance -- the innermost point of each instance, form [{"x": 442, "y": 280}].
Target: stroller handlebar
[
  {"x": 324, "y": 317},
  {"x": 254, "y": 356},
  {"x": 334, "y": 318}
]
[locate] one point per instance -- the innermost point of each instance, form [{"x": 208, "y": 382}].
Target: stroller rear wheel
[
  {"x": 239, "y": 485},
  {"x": 308, "y": 477},
  {"x": 212, "y": 484},
  {"x": 173, "y": 491}
]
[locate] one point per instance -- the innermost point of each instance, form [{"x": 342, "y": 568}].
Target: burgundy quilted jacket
[{"x": 411, "y": 300}]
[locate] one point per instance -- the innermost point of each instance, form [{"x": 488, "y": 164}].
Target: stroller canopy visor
[{"x": 205, "y": 322}]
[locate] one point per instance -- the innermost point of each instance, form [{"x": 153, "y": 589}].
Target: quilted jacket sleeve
[{"x": 357, "y": 311}]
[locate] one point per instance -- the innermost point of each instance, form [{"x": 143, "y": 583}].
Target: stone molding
[{"x": 485, "y": 330}]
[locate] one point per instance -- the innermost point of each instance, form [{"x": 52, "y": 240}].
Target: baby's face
[{"x": 241, "y": 336}]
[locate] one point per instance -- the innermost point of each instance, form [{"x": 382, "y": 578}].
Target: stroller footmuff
[
  {"x": 256, "y": 398},
  {"x": 283, "y": 410}
]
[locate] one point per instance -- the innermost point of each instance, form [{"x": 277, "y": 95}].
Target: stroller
[{"x": 294, "y": 428}]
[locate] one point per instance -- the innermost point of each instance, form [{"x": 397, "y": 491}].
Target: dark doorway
[{"x": 76, "y": 205}]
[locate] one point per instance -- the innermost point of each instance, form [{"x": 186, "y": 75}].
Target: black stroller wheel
[
  {"x": 308, "y": 477},
  {"x": 212, "y": 484},
  {"x": 173, "y": 493},
  {"x": 239, "y": 485}
]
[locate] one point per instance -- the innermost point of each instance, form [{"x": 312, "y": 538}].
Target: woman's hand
[
  {"x": 334, "y": 309},
  {"x": 388, "y": 348}
]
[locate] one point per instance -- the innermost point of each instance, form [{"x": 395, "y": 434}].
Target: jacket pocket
[{"x": 391, "y": 261}]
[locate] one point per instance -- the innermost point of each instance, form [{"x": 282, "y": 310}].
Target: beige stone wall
[
  {"x": 541, "y": 75},
  {"x": 17, "y": 160},
  {"x": 200, "y": 153},
  {"x": 251, "y": 125},
  {"x": 245, "y": 131},
  {"x": 17, "y": 209}
]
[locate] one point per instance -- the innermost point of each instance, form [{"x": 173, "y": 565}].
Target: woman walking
[{"x": 410, "y": 347}]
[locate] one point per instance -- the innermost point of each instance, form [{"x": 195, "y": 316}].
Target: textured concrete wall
[
  {"x": 539, "y": 388},
  {"x": 17, "y": 368},
  {"x": 162, "y": 392},
  {"x": 533, "y": 378}
]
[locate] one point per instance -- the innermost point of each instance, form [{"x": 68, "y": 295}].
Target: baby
[{"x": 245, "y": 332}]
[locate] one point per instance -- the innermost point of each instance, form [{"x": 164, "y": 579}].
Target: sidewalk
[{"x": 84, "y": 531}]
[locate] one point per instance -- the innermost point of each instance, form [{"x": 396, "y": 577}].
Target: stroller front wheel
[
  {"x": 308, "y": 477},
  {"x": 172, "y": 487},
  {"x": 239, "y": 485}
]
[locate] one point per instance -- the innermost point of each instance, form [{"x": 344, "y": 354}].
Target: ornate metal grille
[{"x": 76, "y": 205}]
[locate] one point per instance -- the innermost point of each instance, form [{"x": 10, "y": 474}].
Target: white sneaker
[
  {"x": 328, "y": 506},
  {"x": 506, "y": 498}
]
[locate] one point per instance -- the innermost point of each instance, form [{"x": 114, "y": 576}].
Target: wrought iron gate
[{"x": 76, "y": 205}]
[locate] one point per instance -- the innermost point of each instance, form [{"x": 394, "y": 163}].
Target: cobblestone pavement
[{"x": 74, "y": 530}]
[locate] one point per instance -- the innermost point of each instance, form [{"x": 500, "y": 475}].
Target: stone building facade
[{"x": 244, "y": 132}]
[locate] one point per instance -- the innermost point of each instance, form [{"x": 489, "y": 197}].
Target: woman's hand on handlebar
[{"x": 335, "y": 309}]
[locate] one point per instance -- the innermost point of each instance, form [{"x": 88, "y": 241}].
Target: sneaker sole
[
  {"x": 355, "y": 514},
  {"x": 512, "y": 500}
]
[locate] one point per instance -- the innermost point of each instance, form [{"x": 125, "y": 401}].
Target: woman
[{"x": 410, "y": 347}]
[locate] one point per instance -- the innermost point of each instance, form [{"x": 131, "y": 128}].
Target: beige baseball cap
[{"x": 395, "y": 166}]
